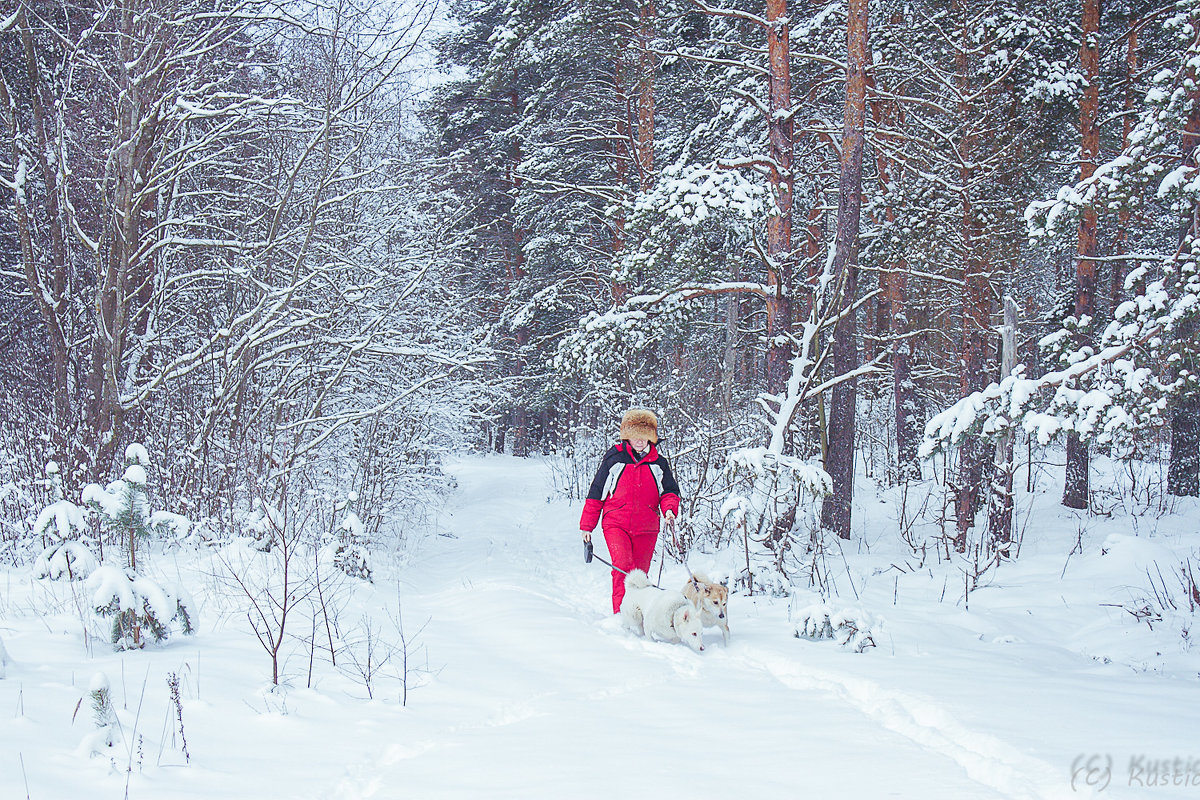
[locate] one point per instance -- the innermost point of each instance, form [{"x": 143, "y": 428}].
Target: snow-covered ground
[{"x": 521, "y": 685}]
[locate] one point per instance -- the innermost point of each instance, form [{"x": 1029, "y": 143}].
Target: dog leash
[{"x": 588, "y": 555}]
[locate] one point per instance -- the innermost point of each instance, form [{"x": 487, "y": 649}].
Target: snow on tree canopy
[
  {"x": 71, "y": 559},
  {"x": 63, "y": 520},
  {"x": 135, "y": 473},
  {"x": 107, "y": 499},
  {"x": 692, "y": 193},
  {"x": 1127, "y": 381},
  {"x": 759, "y": 461},
  {"x": 111, "y": 583},
  {"x": 137, "y": 454},
  {"x": 138, "y": 604},
  {"x": 163, "y": 521},
  {"x": 99, "y": 683}
]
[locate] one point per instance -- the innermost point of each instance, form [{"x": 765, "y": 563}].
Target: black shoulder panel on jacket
[{"x": 596, "y": 490}]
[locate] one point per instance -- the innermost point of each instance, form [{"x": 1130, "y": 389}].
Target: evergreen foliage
[
  {"x": 136, "y": 604},
  {"x": 63, "y": 523}
]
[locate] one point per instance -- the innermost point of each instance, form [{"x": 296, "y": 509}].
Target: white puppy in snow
[{"x": 661, "y": 615}]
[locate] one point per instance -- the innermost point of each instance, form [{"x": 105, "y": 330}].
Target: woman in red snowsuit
[{"x": 633, "y": 487}]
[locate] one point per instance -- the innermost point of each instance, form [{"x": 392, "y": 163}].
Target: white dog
[
  {"x": 713, "y": 601},
  {"x": 663, "y": 616}
]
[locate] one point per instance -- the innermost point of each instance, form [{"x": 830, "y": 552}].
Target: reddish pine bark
[
  {"x": 836, "y": 510},
  {"x": 779, "y": 224},
  {"x": 1131, "y": 68},
  {"x": 620, "y": 159},
  {"x": 647, "y": 70},
  {"x": 894, "y": 324},
  {"x": 976, "y": 299},
  {"x": 1075, "y": 485}
]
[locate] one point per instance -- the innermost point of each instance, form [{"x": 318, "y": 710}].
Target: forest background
[{"x": 260, "y": 240}]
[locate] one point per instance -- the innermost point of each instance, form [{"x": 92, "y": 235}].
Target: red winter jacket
[{"x": 631, "y": 491}]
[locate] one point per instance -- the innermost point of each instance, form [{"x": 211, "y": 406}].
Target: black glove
[{"x": 587, "y": 552}]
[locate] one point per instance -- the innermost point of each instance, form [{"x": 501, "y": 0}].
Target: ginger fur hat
[{"x": 639, "y": 423}]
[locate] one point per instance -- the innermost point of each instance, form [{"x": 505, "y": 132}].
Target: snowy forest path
[{"x": 542, "y": 689}]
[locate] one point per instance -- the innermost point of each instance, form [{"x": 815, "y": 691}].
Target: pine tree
[
  {"x": 63, "y": 523},
  {"x": 349, "y": 550},
  {"x": 106, "y": 729},
  {"x": 135, "y": 603}
]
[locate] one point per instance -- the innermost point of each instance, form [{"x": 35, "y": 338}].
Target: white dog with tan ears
[
  {"x": 712, "y": 600},
  {"x": 660, "y": 615}
]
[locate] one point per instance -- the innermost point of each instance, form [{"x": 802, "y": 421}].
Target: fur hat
[{"x": 639, "y": 423}]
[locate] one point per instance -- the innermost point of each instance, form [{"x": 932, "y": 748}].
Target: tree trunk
[
  {"x": 1123, "y": 216},
  {"x": 976, "y": 306},
  {"x": 1075, "y": 487},
  {"x": 836, "y": 510},
  {"x": 894, "y": 325},
  {"x": 47, "y": 285},
  {"x": 619, "y": 146},
  {"x": 647, "y": 70},
  {"x": 1000, "y": 513},
  {"x": 779, "y": 224},
  {"x": 729, "y": 371},
  {"x": 1183, "y": 473},
  {"x": 123, "y": 271}
]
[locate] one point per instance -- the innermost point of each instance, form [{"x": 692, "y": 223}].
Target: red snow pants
[{"x": 629, "y": 551}]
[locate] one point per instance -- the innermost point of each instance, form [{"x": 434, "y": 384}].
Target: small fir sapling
[
  {"x": 349, "y": 548},
  {"x": 64, "y": 525},
  {"x": 107, "y": 731},
  {"x": 264, "y": 523},
  {"x": 134, "y": 602}
]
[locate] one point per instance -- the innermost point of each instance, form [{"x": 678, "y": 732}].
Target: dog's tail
[{"x": 637, "y": 579}]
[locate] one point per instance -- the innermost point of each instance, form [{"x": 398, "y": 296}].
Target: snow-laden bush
[
  {"x": 850, "y": 627},
  {"x": 138, "y": 604},
  {"x": 774, "y": 505},
  {"x": 348, "y": 551},
  {"x": 65, "y": 525},
  {"x": 264, "y": 523}
]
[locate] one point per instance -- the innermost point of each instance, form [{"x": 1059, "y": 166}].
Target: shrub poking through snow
[
  {"x": 104, "y": 718},
  {"x": 264, "y": 523},
  {"x": 852, "y": 628},
  {"x": 132, "y": 601},
  {"x": 63, "y": 524},
  {"x": 349, "y": 548}
]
